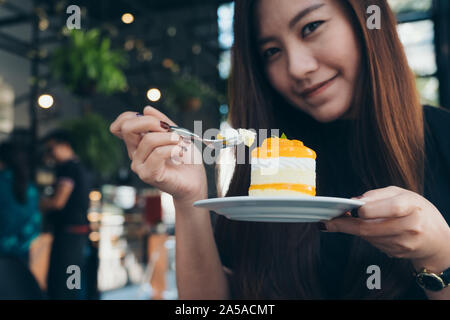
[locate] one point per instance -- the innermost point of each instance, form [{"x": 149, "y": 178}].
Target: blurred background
[{"x": 172, "y": 54}]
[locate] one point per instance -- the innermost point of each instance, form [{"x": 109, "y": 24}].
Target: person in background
[
  {"x": 20, "y": 219},
  {"x": 66, "y": 211}
]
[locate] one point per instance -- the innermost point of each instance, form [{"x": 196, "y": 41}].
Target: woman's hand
[
  {"x": 402, "y": 224},
  {"x": 162, "y": 158}
]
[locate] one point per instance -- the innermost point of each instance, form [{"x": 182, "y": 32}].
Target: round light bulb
[
  {"x": 45, "y": 101},
  {"x": 154, "y": 94},
  {"x": 127, "y": 18},
  {"x": 95, "y": 196}
]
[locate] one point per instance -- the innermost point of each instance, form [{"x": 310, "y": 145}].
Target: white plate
[{"x": 279, "y": 209}]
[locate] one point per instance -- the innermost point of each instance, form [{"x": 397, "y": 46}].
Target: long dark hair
[
  {"x": 14, "y": 157},
  {"x": 281, "y": 260}
]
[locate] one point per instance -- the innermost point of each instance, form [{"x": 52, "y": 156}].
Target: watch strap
[{"x": 446, "y": 276}]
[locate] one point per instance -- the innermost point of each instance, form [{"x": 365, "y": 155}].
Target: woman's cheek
[{"x": 277, "y": 80}]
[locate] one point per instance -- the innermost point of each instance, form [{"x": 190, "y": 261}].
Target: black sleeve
[{"x": 66, "y": 171}]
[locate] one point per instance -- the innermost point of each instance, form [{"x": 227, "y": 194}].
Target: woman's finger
[
  {"x": 383, "y": 193},
  {"x": 131, "y": 142},
  {"x": 143, "y": 124},
  {"x": 152, "y": 170},
  {"x": 151, "y": 141},
  {"x": 151, "y": 111},
  {"x": 373, "y": 227},
  {"x": 407, "y": 226},
  {"x": 134, "y": 129},
  {"x": 116, "y": 126},
  {"x": 394, "y": 207}
]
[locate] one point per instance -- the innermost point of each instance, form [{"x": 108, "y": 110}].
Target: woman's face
[{"x": 310, "y": 53}]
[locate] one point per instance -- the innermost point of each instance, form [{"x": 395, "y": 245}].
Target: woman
[
  {"x": 313, "y": 69},
  {"x": 20, "y": 219}
]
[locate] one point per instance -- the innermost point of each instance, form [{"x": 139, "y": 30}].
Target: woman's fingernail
[
  {"x": 138, "y": 115},
  {"x": 164, "y": 125},
  {"x": 322, "y": 226}
]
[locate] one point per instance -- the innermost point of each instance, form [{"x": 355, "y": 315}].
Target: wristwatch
[{"x": 431, "y": 281}]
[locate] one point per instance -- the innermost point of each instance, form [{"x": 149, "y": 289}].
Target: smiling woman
[{"x": 313, "y": 69}]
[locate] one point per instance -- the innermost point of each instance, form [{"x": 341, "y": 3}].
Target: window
[
  {"x": 416, "y": 31},
  {"x": 225, "y": 15},
  {"x": 408, "y": 6}
]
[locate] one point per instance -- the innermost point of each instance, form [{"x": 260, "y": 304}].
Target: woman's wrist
[
  {"x": 186, "y": 203},
  {"x": 437, "y": 262}
]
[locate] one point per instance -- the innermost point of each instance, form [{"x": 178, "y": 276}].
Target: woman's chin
[{"x": 327, "y": 116}]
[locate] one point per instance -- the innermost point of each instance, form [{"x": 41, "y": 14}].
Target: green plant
[
  {"x": 95, "y": 145},
  {"x": 185, "y": 88},
  {"x": 87, "y": 64}
]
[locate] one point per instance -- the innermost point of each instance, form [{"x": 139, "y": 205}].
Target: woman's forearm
[{"x": 199, "y": 271}]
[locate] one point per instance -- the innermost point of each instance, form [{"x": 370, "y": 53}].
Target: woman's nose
[{"x": 301, "y": 63}]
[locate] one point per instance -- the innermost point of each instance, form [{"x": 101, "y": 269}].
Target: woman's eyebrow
[{"x": 299, "y": 16}]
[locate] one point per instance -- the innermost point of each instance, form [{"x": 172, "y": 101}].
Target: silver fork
[{"x": 222, "y": 143}]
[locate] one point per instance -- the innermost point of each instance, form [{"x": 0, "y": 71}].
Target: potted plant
[
  {"x": 189, "y": 92},
  {"x": 95, "y": 145},
  {"x": 88, "y": 65}
]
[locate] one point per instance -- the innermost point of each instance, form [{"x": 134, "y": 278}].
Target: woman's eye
[
  {"x": 310, "y": 27},
  {"x": 270, "y": 52}
]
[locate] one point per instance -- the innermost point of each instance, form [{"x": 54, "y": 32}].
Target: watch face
[{"x": 430, "y": 282}]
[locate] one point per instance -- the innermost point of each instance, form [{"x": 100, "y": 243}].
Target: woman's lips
[{"x": 319, "y": 89}]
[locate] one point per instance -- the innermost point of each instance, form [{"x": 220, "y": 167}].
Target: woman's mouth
[{"x": 317, "y": 89}]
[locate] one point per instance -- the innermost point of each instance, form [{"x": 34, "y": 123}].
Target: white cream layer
[
  {"x": 283, "y": 175},
  {"x": 306, "y": 164}
]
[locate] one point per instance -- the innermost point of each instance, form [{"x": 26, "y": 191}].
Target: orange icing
[
  {"x": 276, "y": 147},
  {"x": 303, "y": 188}
]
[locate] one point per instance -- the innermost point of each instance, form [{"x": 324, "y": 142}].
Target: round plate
[{"x": 279, "y": 209}]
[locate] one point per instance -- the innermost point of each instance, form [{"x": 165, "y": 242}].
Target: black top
[
  {"x": 75, "y": 210},
  {"x": 335, "y": 246}
]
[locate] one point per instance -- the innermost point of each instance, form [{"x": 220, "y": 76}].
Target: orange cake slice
[{"x": 282, "y": 167}]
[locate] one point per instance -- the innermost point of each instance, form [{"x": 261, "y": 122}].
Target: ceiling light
[
  {"x": 127, "y": 18},
  {"x": 154, "y": 94},
  {"x": 45, "y": 101}
]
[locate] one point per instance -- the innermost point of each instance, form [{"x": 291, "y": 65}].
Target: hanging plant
[
  {"x": 88, "y": 65},
  {"x": 97, "y": 148},
  {"x": 188, "y": 93}
]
